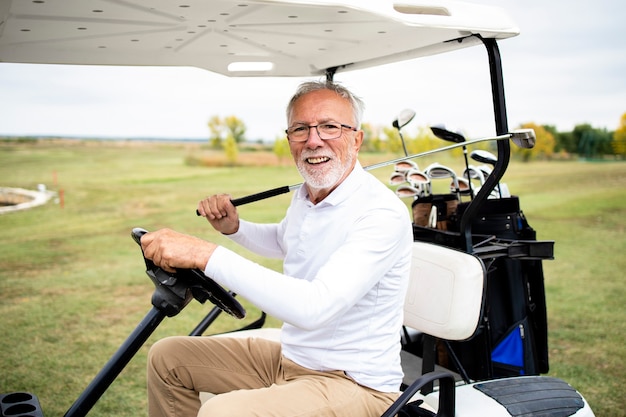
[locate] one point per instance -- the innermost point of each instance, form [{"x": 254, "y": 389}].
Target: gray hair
[{"x": 310, "y": 86}]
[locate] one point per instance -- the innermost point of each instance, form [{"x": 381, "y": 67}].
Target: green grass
[{"x": 72, "y": 285}]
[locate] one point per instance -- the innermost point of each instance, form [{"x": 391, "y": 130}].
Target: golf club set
[
  {"x": 436, "y": 210},
  {"x": 412, "y": 182}
]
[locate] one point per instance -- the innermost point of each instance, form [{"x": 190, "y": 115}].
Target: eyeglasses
[{"x": 326, "y": 131}]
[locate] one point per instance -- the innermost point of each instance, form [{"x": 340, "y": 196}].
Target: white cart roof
[{"x": 242, "y": 37}]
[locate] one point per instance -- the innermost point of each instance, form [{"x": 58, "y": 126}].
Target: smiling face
[{"x": 324, "y": 164}]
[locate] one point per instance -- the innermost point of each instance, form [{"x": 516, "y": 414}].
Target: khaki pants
[{"x": 252, "y": 379}]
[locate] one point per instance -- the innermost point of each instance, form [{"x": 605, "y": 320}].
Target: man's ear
[{"x": 358, "y": 140}]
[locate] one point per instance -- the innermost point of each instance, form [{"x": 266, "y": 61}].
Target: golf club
[
  {"x": 438, "y": 171},
  {"x": 442, "y": 133},
  {"x": 403, "y": 119},
  {"x": 406, "y": 190},
  {"x": 404, "y": 166},
  {"x": 485, "y": 157},
  {"x": 419, "y": 180},
  {"x": 397, "y": 178},
  {"x": 485, "y": 170},
  {"x": 464, "y": 186},
  {"x": 524, "y": 138},
  {"x": 415, "y": 176},
  {"x": 473, "y": 172}
]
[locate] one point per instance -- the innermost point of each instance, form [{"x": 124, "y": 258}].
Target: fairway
[{"x": 73, "y": 286}]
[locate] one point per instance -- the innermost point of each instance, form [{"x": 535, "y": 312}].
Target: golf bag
[{"x": 512, "y": 339}]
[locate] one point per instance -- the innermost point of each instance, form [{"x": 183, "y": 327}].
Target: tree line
[{"x": 584, "y": 141}]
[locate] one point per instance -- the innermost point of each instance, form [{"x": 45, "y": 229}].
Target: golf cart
[{"x": 475, "y": 338}]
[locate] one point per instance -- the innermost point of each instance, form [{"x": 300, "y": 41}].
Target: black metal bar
[
  {"x": 447, "y": 396},
  {"x": 457, "y": 362},
  {"x": 206, "y": 321},
  {"x": 116, "y": 364},
  {"x": 504, "y": 147},
  {"x": 330, "y": 73},
  {"x": 429, "y": 353}
]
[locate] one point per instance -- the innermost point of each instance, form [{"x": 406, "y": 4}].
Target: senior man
[{"x": 345, "y": 242}]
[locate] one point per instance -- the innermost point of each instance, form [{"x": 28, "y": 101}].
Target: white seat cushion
[{"x": 445, "y": 293}]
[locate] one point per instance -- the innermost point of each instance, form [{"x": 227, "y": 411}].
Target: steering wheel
[{"x": 202, "y": 287}]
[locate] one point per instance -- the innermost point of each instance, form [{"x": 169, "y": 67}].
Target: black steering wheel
[{"x": 202, "y": 287}]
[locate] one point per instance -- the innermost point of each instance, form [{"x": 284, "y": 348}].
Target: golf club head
[
  {"x": 464, "y": 186},
  {"x": 473, "y": 172},
  {"x": 437, "y": 171},
  {"x": 493, "y": 195},
  {"x": 404, "y": 118},
  {"x": 485, "y": 169},
  {"x": 420, "y": 181},
  {"x": 524, "y": 138},
  {"x": 503, "y": 190},
  {"x": 442, "y": 133},
  {"x": 397, "y": 178},
  {"x": 414, "y": 176},
  {"x": 484, "y": 157},
  {"x": 404, "y": 166},
  {"x": 406, "y": 191}
]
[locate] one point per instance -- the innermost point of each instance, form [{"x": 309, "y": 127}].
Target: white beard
[{"x": 327, "y": 178}]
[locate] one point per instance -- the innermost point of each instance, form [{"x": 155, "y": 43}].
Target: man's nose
[{"x": 314, "y": 140}]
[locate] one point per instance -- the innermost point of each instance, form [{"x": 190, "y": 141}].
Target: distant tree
[
  {"x": 605, "y": 140},
  {"x": 393, "y": 141},
  {"x": 281, "y": 148},
  {"x": 220, "y": 128},
  {"x": 592, "y": 142},
  {"x": 236, "y": 127},
  {"x": 619, "y": 138},
  {"x": 216, "y": 132},
  {"x": 231, "y": 149},
  {"x": 544, "y": 144},
  {"x": 561, "y": 140},
  {"x": 368, "y": 137},
  {"x": 583, "y": 141},
  {"x": 567, "y": 142},
  {"x": 372, "y": 141}
]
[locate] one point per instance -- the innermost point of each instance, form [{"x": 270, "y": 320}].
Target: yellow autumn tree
[
  {"x": 544, "y": 144},
  {"x": 230, "y": 148},
  {"x": 281, "y": 149},
  {"x": 236, "y": 127},
  {"x": 221, "y": 128},
  {"x": 619, "y": 138}
]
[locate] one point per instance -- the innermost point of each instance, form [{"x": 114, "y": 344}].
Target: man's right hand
[{"x": 220, "y": 212}]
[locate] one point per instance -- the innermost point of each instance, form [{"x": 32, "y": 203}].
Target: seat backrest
[{"x": 446, "y": 292}]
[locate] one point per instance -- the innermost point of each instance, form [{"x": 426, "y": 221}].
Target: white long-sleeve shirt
[{"x": 345, "y": 273}]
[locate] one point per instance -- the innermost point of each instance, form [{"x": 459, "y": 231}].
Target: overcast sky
[{"x": 567, "y": 67}]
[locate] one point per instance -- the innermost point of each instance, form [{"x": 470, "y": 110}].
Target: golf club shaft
[
  {"x": 287, "y": 188},
  {"x": 262, "y": 195},
  {"x": 406, "y": 153},
  {"x": 443, "y": 149}
]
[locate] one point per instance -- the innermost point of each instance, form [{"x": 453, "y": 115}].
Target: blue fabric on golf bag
[
  {"x": 512, "y": 354},
  {"x": 510, "y": 351}
]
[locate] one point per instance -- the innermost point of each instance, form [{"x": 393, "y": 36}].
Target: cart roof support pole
[{"x": 504, "y": 146}]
